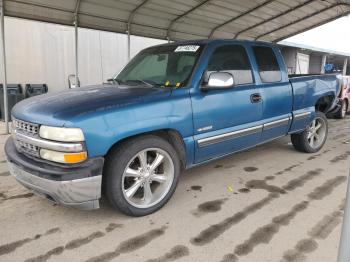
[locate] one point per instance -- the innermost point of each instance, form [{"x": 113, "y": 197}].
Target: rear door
[
  {"x": 226, "y": 120},
  {"x": 276, "y": 92}
]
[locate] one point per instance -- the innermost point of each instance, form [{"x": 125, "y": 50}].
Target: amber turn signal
[
  {"x": 75, "y": 157},
  {"x": 63, "y": 157}
]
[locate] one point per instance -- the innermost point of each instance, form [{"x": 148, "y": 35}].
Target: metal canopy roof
[
  {"x": 312, "y": 49},
  {"x": 269, "y": 20}
]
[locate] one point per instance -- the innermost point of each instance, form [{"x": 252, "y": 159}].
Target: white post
[
  {"x": 2, "y": 19},
  {"x": 345, "y": 66},
  {"x": 129, "y": 51},
  {"x": 76, "y": 50},
  {"x": 324, "y": 60},
  {"x": 344, "y": 251}
]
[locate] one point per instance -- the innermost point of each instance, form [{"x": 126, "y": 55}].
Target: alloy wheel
[
  {"x": 343, "y": 110},
  {"x": 148, "y": 177},
  {"x": 316, "y": 132}
]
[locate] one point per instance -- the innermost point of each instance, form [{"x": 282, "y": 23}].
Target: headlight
[
  {"x": 62, "y": 134},
  {"x": 61, "y": 157}
]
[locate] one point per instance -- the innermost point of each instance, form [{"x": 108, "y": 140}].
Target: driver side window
[{"x": 232, "y": 59}]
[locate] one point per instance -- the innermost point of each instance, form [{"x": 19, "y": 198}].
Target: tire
[
  {"x": 341, "y": 113},
  {"x": 310, "y": 141},
  {"x": 128, "y": 180}
]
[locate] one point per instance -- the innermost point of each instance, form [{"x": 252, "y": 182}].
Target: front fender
[{"x": 104, "y": 129}]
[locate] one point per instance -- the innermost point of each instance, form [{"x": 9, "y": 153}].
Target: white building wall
[
  {"x": 303, "y": 62},
  {"x": 315, "y": 64},
  {"x": 44, "y": 53},
  {"x": 289, "y": 55}
]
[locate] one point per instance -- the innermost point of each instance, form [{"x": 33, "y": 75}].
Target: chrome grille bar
[
  {"x": 25, "y": 127},
  {"x": 51, "y": 145},
  {"x": 27, "y": 148}
]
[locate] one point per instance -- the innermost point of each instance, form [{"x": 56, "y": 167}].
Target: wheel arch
[
  {"x": 173, "y": 136},
  {"x": 324, "y": 103}
]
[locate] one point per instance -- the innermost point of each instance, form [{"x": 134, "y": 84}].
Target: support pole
[
  {"x": 323, "y": 63},
  {"x": 76, "y": 50},
  {"x": 345, "y": 66},
  {"x": 129, "y": 51},
  {"x": 130, "y": 19},
  {"x": 3, "y": 49},
  {"x": 344, "y": 251}
]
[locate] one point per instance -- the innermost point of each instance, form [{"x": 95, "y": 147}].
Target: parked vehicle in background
[
  {"x": 174, "y": 106},
  {"x": 344, "y": 99}
]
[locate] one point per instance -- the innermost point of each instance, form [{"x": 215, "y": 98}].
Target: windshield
[{"x": 162, "y": 66}]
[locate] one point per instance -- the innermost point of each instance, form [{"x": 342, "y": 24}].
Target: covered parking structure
[
  {"x": 174, "y": 20},
  {"x": 304, "y": 59}
]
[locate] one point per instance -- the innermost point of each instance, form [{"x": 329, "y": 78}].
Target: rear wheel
[
  {"x": 313, "y": 137},
  {"x": 342, "y": 110},
  {"x": 141, "y": 175}
]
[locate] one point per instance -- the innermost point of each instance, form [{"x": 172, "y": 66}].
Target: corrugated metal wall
[
  {"x": 315, "y": 64},
  {"x": 289, "y": 55},
  {"x": 44, "y": 53}
]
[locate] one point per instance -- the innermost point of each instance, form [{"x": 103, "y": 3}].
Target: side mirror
[
  {"x": 219, "y": 80},
  {"x": 72, "y": 83}
]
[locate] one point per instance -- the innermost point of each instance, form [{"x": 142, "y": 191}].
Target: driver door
[{"x": 227, "y": 120}]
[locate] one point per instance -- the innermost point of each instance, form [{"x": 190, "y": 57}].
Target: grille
[
  {"x": 27, "y": 148},
  {"x": 28, "y": 129},
  {"x": 25, "y": 127}
]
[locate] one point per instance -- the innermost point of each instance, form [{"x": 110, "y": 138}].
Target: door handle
[{"x": 255, "y": 98}]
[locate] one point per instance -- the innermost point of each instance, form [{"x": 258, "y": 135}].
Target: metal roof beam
[
  {"x": 133, "y": 12},
  {"x": 274, "y": 17},
  {"x": 313, "y": 26},
  {"x": 183, "y": 15},
  {"x": 44, "y": 10},
  {"x": 76, "y": 12},
  {"x": 301, "y": 19},
  {"x": 128, "y": 25},
  {"x": 41, "y": 5},
  {"x": 77, "y": 6},
  {"x": 239, "y": 16}
]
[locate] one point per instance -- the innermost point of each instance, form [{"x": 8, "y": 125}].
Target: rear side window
[
  {"x": 232, "y": 59},
  {"x": 269, "y": 69}
]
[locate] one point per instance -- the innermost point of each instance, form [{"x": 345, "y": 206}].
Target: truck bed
[
  {"x": 308, "y": 89},
  {"x": 302, "y": 75}
]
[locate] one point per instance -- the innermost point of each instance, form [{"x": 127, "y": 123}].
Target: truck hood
[{"x": 61, "y": 107}]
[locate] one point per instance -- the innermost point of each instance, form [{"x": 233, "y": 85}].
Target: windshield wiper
[
  {"x": 153, "y": 84},
  {"x": 146, "y": 83},
  {"x": 113, "y": 81}
]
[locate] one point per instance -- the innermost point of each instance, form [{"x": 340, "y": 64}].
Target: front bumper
[{"x": 78, "y": 186}]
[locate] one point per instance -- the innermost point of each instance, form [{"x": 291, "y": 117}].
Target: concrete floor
[{"x": 270, "y": 203}]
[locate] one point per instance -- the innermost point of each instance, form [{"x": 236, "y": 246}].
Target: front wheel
[
  {"x": 313, "y": 137},
  {"x": 141, "y": 175}
]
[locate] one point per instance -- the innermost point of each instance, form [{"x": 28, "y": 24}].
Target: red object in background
[
  {"x": 344, "y": 99},
  {"x": 345, "y": 91}
]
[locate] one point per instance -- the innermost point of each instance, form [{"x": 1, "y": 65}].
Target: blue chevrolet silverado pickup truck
[{"x": 174, "y": 106}]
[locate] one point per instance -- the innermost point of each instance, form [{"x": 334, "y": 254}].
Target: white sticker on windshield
[{"x": 187, "y": 48}]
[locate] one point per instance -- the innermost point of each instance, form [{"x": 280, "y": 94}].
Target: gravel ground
[{"x": 269, "y": 203}]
